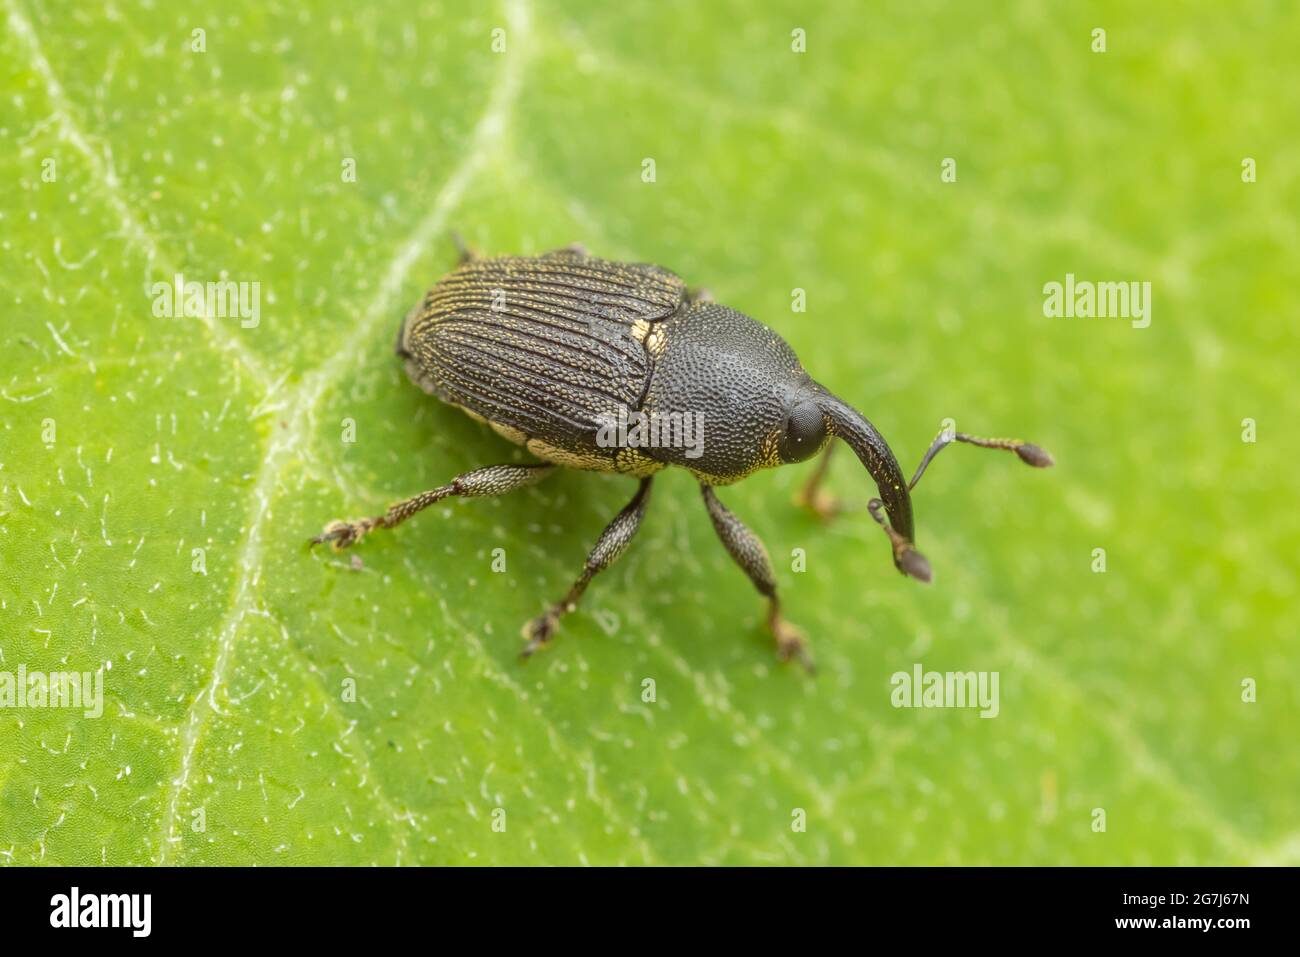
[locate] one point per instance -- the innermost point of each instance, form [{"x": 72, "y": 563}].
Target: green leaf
[{"x": 159, "y": 476}]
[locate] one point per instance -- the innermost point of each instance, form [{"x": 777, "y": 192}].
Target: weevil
[{"x": 550, "y": 350}]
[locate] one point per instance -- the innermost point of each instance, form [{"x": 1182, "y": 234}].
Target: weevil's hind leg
[
  {"x": 492, "y": 480},
  {"x": 1029, "y": 453},
  {"x": 816, "y": 499},
  {"x": 749, "y": 553},
  {"x": 612, "y": 543},
  {"x": 465, "y": 253}
]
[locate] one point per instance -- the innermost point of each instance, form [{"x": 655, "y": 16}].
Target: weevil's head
[
  {"x": 757, "y": 408},
  {"x": 742, "y": 384}
]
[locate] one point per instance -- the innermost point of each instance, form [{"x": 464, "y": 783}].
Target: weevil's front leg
[
  {"x": 492, "y": 480},
  {"x": 813, "y": 497},
  {"x": 612, "y": 543},
  {"x": 749, "y": 553},
  {"x": 906, "y": 557}
]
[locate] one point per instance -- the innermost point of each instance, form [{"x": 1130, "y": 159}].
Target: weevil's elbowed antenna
[
  {"x": 851, "y": 426},
  {"x": 870, "y": 446}
]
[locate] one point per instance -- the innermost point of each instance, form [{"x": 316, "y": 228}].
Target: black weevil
[{"x": 551, "y": 350}]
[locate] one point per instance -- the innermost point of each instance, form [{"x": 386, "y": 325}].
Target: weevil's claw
[
  {"x": 539, "y": 632},
  {"x": 1035, "y": 455},
  {"x": 913, "y": 563},
  {"x": 341, "y": 535}
]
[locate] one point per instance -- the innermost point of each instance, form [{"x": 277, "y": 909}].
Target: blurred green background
[{"x": 227, "y": 736}]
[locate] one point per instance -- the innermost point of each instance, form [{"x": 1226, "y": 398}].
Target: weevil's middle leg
[
  {"x": 748, "y": 552},
  {"x": 813, "y": 497},
  {"x": 612, "y": 543},
  {"x": 492, "y": 480}
]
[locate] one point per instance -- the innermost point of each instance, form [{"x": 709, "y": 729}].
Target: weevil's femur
[{"x": 852, "y": 426}]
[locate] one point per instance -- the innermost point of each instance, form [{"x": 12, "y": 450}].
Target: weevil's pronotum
[{"x": 551, "y": 350}]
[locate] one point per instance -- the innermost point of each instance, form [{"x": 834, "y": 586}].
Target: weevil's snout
[{"x": 873, "y": 451}]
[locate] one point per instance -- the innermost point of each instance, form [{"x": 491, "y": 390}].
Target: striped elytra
[{"x": 546, "y": 346}]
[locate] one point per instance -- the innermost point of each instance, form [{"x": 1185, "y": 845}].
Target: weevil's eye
[{"x": 805, "y": 430}]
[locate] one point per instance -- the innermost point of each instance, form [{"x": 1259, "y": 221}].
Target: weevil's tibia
[
  {"x": 1029, "y": 453},
  {"x": 747, "y": 550},
  {"x": 612, "y": 543},
  {"x": 492, "y": 480}
]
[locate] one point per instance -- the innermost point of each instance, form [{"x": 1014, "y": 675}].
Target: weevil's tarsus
[
  {"x": 538, "y": 632},
  {"x": 791, "y": 645},
  {"x": 913, "y": 563},
  {"x": 906, "y": 558},
  {"x": 612, "y": 543},
  {"x": 1029, "y": 453},
  {"x": 749, "y": 553},
  {"x": 341, "y": 535},
  {"x": 492, "y": 480}
]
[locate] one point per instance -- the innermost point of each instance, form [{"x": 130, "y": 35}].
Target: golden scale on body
[{"x": 547, "y": 350}]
